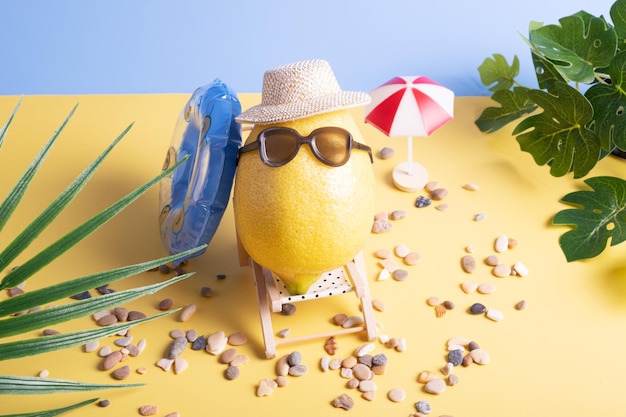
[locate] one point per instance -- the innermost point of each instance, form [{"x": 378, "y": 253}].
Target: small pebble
[
  {"x": 479, "y": 217},
  {"x": 104, "y": 351},
  {"x": 361, "y": 372},
  {"x": 386, "y": 152},
  {"x": 282, "y": 366},
  {"x": 480, "y": 356},
  {"x": 231, "y": 372},
  {"x": 349, "y": 362},
  {"x": 121, "y": 373},
  {"x": 440, "y": 311},
  {"x": 433, "y": 301},
  {"x": 519, "y": 269},
  {"x": 237, "y": 339},
  {"x": 477, "y": 308},
  {"x": 425, "y": 376},
  {"x": 469, "y": 287},
  {"x": 381, "y": 216},
  {"x": 206, "y": 292},
  {"x": 92, "y": 346},
  {"x": 288, "y": 309},
  {"x": 281, "y": 381},
  {"x": 472, "y": 346},
  {"x": 166, "y": 304},
  {"x": 400, "y": 274},
  {"x": 422, "y": 201},
  {"x": 216, "y": 342},
  {"x": 107, "y": 320},
  {"x": 492, "y": 260},
  {"x": 364, "y": 349},
  {"x": 447, "y": 369},
  {"x": 468, "y": 263},
  {"x": 381, "y": 226},
  {"x": 81, "y": 295},
  {"x": 199, "y": 343},
  {"x": 176, "y": 333},
  {"x": 324, "y": 363},
  {"x": 148, "y": 410},
  {"x": 486, "y": 288},
  {"x": 388, "y": 264},
  {"x": 142, "y": 371},
  {"x": 520, "y": 305},
  {"x": 442, "y": 207},
  {"x": 494, "y": 315},
  {"x": 382, "y": 253},
  {"x": 44, "y": 373},
  {"x": 401, "y": 250},
  {"x": 136, "y": 315},
  {"x": 431, "y": 185},
  {"x": 458, "y": 341},
  {"x": 344, "y": 401},
  {"x": 111, "y": 360},
  {"x": 121, "y": 313},
  {"x": 378, "y": 305},
  {"x": 265, "y": 388},
  {"x": 452, "y": 379},
  {"x": 397, "y": 215},
  {"x": 401, "y": 346},
  {"x": 331, "y": 345},
  {"x": 471, "y": 187},
  {"x": 384, "y": 274},
  {"x": 412, "y": 258},
  {"x": 165, "y": 364},
  {"x": 367, "y": 385},
  {"x": 396, "y": 395},
  {"x": 501, "y": 243},
  {"x": 176, "y": 347},
  {"x": 512, "y": 243},
  {"x": 438, "y": 193},
  {"x": 164, "y": 269},
  {"x": 448, "y": 305},
  {"x": 435, "y": 386},
  {"x": 423, "y": 407},
  {"x": 502, "y": 270},
  {"x": 221, "y": 276},
  {"x": 297, "y": 370},
  {"x": 187, "y": 312},
  {"x": 294, "y": 358},
  {"x": 379, "y": 359},
  {"x": 180, "y": 364},
  {"x": 283, "y": 333},
  {"x": 340, "y": 319},
  {"x": 455, "y": 357},
  {"x": 123, "y": 342},
  {"x": 353, "y": 321},
  {"x": 103, "y": 403},
  {"x": 228, "y": 355},
  {"x": 191, "y": 335},
  {"x": 467, "y": 360}
]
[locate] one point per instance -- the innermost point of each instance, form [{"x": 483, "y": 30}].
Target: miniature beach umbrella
[{"x": 410, "y": 106}]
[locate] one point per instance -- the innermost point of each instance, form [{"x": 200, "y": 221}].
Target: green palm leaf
[
  {"x": 55, "y": 412},
  {"x": 27, "y": 385},
  {"x": 59, "y": 314},
  {"x": 59, "y": 247},
  {"x": 11, "y": 201},
  {"x": 38, "y": 345}
]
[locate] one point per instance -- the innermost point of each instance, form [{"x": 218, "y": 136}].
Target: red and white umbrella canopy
[{"x": 410, "y": 106}]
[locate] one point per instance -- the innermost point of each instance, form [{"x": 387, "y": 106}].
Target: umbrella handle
[{"x": 410, "y": 152}]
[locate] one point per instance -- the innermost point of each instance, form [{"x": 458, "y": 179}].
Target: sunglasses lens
[
  {"x": 280, "y": 146},
  {"x": 333, "y": 146}
]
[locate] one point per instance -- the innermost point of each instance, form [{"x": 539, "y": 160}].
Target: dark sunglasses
[{"x": 279, "y": 145}]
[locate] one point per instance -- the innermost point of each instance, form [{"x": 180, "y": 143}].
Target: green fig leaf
[
  {"x": 600, "y": 215},
  {"x": 580, "y": 44},
  {"x": 558, "y": 134},
  {"x": 513, "y": 105},
  {"x": 498, "y": 72},
  {"x": 545, "y": 71},
  {"x": 609, "y": 103},
  {"x": 618, "y": 16}
]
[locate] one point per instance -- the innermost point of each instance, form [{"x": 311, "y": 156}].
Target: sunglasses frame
[{"x": 310, "y": 140}]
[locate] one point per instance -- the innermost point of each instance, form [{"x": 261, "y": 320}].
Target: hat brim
[{"x": 265, "y": 114}]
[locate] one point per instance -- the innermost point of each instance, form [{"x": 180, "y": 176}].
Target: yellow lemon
[{"x": 304, "y": 218}]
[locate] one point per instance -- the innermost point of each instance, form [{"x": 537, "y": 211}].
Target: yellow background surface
[{"x": 562, "y": 355}]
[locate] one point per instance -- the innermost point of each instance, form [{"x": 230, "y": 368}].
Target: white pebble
[
  {"x": 520, "y": 269},
  {"x": 480, "y": 357},
  {"x": 92, "y": 346},
  {"x": 494, "y": 315},
  {"x": 284, "y": 333},
  {"x": 364, "y": 349},
  {"x": 486, "y": 288},
  {"x": 401, "y": 346},
  {"x": 141, "y": 345},
  {"x": 396, "y": 395},
  {"x": 105, "y": 351},
  {"x": 502, "y": 270},
  {"x": 453, "y": 346},
  {"x": 353, "y": 321},
  {"x": 324, "y": 363},
  {"x": 501, "y": 244},
  {"x": 382, "y": 338},
  {"x": 435, "y": 386},
  {"x": 165, "y": 363},
  {"x": 180, "y": 364},
  {"x": 44, "y": 373},
  {"x": 457, "y": 340},
  {"x": 480, "y": 216},
  {"x": 401, "y": 251},
  {"x": 471, "y": 187},
  {"x": 469, "y": 287},
  {"x": 98, "y": 315},
  {"x": 384, "y": 274}
]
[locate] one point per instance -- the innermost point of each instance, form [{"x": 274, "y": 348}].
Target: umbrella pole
[{"x": 410, "y": 150}]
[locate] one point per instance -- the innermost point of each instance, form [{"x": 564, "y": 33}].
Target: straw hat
[{"x": 299, "y": 90}]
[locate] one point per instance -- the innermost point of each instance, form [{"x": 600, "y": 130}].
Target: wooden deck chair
[{"x": 272, "y": 295}]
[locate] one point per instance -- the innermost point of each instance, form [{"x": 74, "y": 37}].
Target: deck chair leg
[
  {"x": 358, "y": 274},
  {"x": 264, "y": 311}
]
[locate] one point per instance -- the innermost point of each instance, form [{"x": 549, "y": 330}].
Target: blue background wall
[{"x": 159, "y": 46}]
